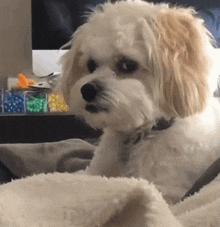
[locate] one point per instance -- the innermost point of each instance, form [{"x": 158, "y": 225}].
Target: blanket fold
[
  {"x": 64, "y": 199},
  {"x": 72, "y": 200}
]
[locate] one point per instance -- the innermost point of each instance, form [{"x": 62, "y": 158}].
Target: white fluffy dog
[{"x": 132, "y": 67}]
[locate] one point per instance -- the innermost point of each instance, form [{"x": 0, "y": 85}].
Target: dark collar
[
  {"x": 162, "y": 124},
  {"x": 137, "y": 136}
]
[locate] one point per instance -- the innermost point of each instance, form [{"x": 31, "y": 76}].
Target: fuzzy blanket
[
  {"x": 51, "y": 199},
  {"x": 64, "y": 199}
]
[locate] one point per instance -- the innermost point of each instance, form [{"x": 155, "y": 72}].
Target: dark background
[{"x": 54, "y": 21}]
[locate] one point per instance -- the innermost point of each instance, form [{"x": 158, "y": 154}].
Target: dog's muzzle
[{"x": 90, "y": 92}]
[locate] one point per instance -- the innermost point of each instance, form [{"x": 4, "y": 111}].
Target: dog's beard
[{"x": 122, "y": 104}]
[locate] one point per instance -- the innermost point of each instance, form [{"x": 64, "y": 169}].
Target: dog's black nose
[{"x": 89, "y": 91}]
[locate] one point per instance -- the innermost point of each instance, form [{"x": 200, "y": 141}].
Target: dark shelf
[{"x": 43, "y": 128}]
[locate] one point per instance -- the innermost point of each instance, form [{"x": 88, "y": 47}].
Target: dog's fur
[{"x": 146, "y": 61}]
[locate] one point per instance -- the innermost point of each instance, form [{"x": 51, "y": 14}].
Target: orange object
[{"x": 23, "y": 81}]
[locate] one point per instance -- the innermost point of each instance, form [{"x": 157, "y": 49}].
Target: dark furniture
[{"x": 43, "y": 128}]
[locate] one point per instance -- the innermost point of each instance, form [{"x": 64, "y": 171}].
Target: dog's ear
[
  {"x": 71, "y": 66},
  {"x": 183, "y": 41}
]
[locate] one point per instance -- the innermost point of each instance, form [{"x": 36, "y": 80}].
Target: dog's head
[{"x": 133, "y": 61}]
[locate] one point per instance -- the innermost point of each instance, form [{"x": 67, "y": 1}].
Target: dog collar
[
  {"x": 161, "y": 124},
  {"x": 137, "y": 136}
]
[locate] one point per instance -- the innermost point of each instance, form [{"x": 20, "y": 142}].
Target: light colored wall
[{"x": 15, "y": 39}]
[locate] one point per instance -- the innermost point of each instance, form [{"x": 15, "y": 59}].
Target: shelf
[{"x": 43, "y": 128}]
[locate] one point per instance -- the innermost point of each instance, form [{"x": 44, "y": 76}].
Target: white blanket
[{"x": 64, "y": 199}]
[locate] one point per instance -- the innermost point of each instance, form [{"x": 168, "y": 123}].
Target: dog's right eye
[
  {"x": 127, "y": 66},
  {"x": 91, "y": 65}
]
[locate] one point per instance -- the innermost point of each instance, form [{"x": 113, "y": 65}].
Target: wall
[{"x": 15, "y": 39}]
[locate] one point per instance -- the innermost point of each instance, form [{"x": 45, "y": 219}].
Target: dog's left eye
[
  {"x": 91, "y": 65},
  {"x": 125, "y": 65}
]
